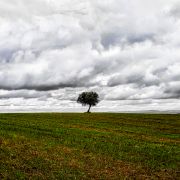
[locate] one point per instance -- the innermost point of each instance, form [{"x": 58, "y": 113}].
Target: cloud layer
[{"x": 129, "y": 52}]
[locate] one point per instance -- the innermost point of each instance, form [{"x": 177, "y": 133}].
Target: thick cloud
[
  {"x": 23, "y": 93},
  {"x": 52, "y": 50}
]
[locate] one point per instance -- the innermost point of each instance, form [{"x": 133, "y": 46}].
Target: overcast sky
[{"x": 126, "y": 51}]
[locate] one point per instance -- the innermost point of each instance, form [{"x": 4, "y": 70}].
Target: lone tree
[{"x": 88, "y": 98}]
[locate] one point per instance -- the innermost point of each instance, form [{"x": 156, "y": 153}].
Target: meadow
[{"x": 89, "y": 146}]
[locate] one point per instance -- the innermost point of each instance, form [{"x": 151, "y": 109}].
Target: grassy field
[{"x": 89, "y": 146}]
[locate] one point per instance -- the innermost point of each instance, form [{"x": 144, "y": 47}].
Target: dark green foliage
[{"x": 88, "y": 98}]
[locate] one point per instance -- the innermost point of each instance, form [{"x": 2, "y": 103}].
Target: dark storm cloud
[
  {"x": 23, "y": 94},
  {"x": 43, "y": 87},
  {"x": 172, "y": 90},
  {"x": 117, "y": 80}
]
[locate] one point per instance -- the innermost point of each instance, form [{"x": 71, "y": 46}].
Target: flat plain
[{"x": 89, "y": 146}]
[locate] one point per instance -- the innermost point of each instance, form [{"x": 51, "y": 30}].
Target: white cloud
[{"x": 124, "y": 50}]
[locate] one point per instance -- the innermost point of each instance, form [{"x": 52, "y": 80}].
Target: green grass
[{"x": 89, "y": 146}]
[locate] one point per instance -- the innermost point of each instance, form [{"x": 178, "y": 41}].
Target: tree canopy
[{"x": 88, "y": 98}]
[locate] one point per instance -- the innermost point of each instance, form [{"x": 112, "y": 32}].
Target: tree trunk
[{"x": 89, "y": 109}]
